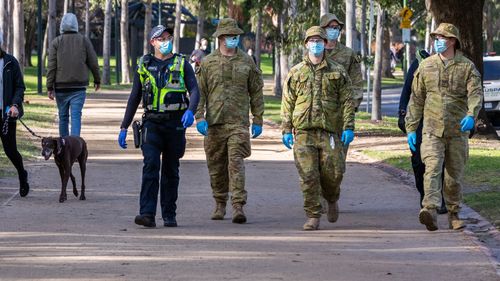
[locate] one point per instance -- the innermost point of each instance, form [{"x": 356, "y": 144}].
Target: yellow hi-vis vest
[{"x": 171, "y": 97}]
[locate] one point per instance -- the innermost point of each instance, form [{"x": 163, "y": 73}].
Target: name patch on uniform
[{"x": 152, "y": 68}]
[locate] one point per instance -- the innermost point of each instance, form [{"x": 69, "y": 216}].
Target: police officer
[
  {"x": 162, "y": 81},
  {"x": 318, "y": 112},
  {"x": 447, "y": 94},
  {"x": 230, "y": 86},
  {"x": 343, "y": 55},
  {"x": 416, "y": 160}
]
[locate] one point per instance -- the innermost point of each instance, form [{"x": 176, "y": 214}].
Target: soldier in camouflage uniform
[
  {"x": 447, "y": 94},
  {"x": 343, "y": 55},
  {"x": 318, "y": 110},
  {"x": 230, "y": 84}
]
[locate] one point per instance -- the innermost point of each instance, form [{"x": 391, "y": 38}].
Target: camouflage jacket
[
  {"x": 444, "y": 95},
  {"x": 317, "y": 97},
  {"x": 352, "y": 64},
  {"x": 229, "y": 87}
]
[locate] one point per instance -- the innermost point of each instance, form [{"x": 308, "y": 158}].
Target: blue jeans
[{"x": 70, "y": 101}]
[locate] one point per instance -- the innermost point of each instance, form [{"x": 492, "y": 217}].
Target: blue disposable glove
[
  {"x": 467, "y": 123},
  {"x": 122, "y": 139},
  {"x": 347, "y": 137},
  {"x": 412, "y": 141},
  {"x": 202, "y": 127},
  {"x": 187, "y": 119},
  {"x": 288, "y": 140},
  {"x": 256, "y": 130}
]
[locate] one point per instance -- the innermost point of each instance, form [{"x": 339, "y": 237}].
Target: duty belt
[{"x": 163, "y": 116}]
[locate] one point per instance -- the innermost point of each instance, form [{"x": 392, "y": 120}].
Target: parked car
[{"x": 491, "y": 82}]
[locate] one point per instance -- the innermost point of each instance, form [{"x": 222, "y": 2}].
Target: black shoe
[
  {"x": 24, "y": 187},
  {"x": 170, "y": 222},
  {"x": 146, "y": 221},
  {"x": 442, "y": 210}
]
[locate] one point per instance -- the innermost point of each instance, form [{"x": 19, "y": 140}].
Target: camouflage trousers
[
  {"x": 321, "y": 168},
  {"x": 454, "y": 151},
  {"x": 226, "y": 147}
]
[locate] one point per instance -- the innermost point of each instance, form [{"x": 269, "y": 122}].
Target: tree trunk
[
  {"x": 124, "y": 43},
  {"x": 467, "y": 16},
  {"x": 50, "y": 30},
  {"x": 230, "y": 9},
  {"x": 10, "y": 36},
  {"x": 30, "y": 35},
  {"x": 283, "y": 55},
  {"x": 278, "y": 91},
  {"x": 106, "y": 48},
  {"x": 377, "y": 73},
  {"x": 258, "y": 37},
  {"x": 489, "y": 26},
  {"x": 323, "y": 7},
  {"x": 18, "y": 25},
  {"x": 363, "y": 44},
  {"x": 87, "y": 18},
  {"x": 200, "y": 26},
  {"x": 177, "y": 31},
  {"x": 350, "y": 22},
  {"x": 386, "y": 54},
  {"x": 147, "y": 27},
  {"x": 4, "y": 20},
  {"x": 65, "y": 8},
  {"x": 428, "y": 32}
]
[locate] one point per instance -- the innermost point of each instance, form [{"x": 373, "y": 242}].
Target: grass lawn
[
  {"x": 36, "y": 115},
  {"x": 364, "y": 126},
  {"x": 31, "y": 78},
  {"x": 482, "y": 177}
]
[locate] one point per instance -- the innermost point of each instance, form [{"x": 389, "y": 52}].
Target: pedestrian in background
[
  {"x": 71, "y": 55},
  {"x": 11, "y": 105}
]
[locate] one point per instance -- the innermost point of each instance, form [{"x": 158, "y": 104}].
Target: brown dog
[{"x": 67, "y": 150}]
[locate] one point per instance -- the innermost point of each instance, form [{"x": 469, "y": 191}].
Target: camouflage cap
[
  {"x": 315, "y": 31},
  {"x": 328, "y": 18},
  {"x": 448, "y": 30},
  {"x": 227, "y": 26}
]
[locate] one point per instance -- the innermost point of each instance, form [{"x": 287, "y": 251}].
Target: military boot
[
  {"x": 238, "y": 214},
  {"x": 333, "y": 211},
  {"x": 311, "y": 224},
  {"x": 219, "y": 212},
  {"x": 428, "y": 217},
  {"x": 454, "y": 221}
]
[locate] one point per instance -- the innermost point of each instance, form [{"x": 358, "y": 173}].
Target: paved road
[
  {"x": 390, "y": 102},
  {"x": 376, "y": 238}
]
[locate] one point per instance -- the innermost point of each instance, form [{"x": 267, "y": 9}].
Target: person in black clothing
[
  {"x": 416, "y": 160},
  {"x": 11, "y": 105},
  {"x": 162, "y": 82}
]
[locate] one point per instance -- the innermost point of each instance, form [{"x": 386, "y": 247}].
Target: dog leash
[{"x": 5, "y": 128}]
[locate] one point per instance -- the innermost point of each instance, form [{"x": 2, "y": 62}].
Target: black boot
[
  {"x": 170, "y": 222},
  {"x": 144, "y": 220},
  {"x": 24, "y": 187}
]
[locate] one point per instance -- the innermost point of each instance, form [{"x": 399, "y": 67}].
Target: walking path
[{"x": 377, "y": 236}]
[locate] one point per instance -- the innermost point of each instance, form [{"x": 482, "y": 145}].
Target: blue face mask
[
  {"x": 232, "y": 42},
  {"x": 166, "y": 47},
  {"x": 440, "y": 45},
  {"x": 316, "y": 48},
  {"x": 332, "y": 34}
]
